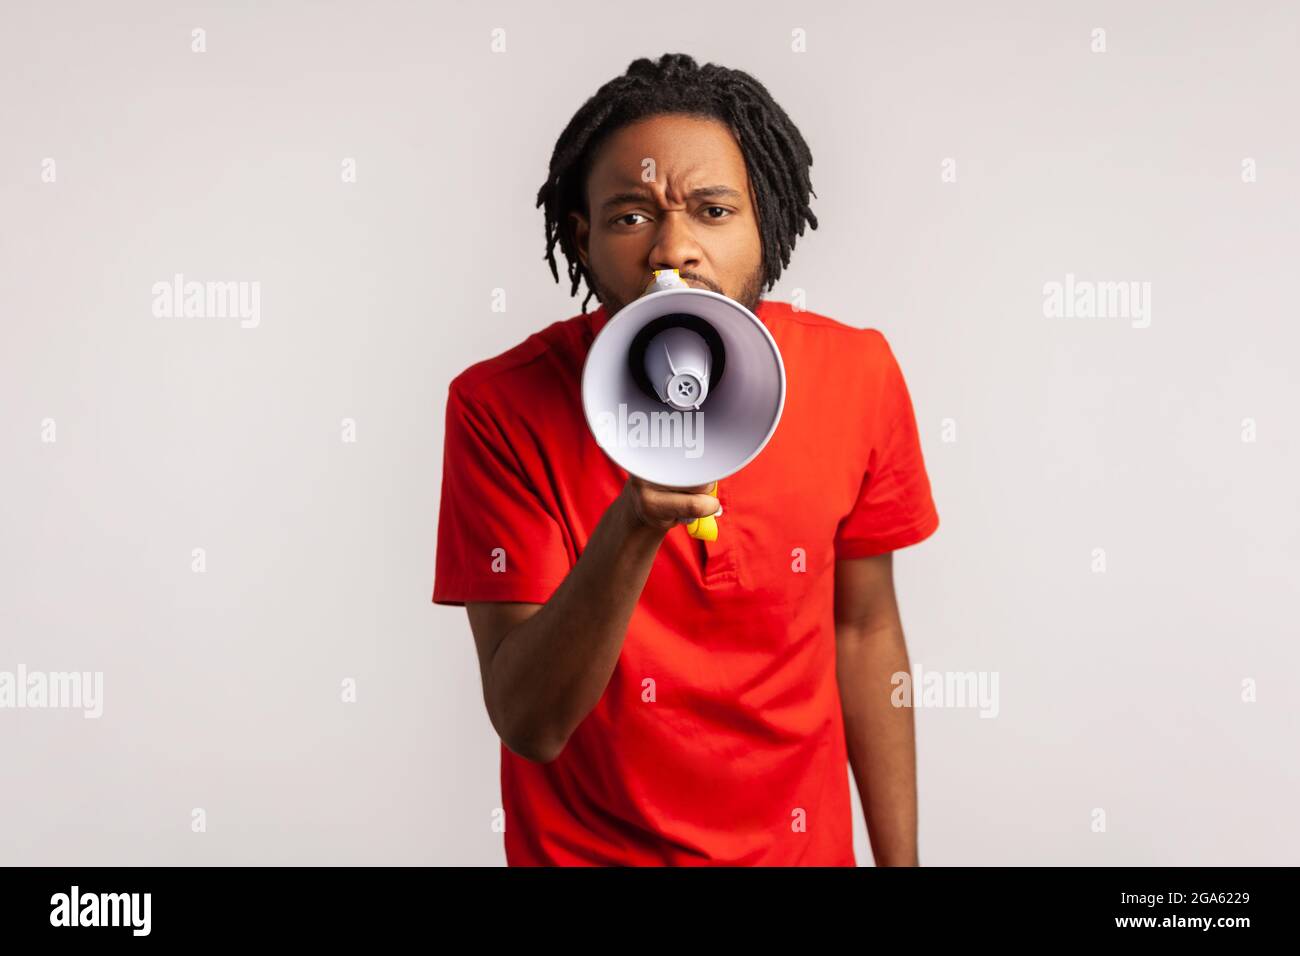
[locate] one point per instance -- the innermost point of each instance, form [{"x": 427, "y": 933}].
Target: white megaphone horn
[{"x": 683, "y": 387}]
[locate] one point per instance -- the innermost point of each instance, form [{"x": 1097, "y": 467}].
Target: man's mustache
[{"x": 695, "y": 277}]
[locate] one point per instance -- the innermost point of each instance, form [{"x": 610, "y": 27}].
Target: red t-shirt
[{"x": 719, "y": 738}]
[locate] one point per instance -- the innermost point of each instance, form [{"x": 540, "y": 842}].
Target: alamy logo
[
  {"x": 658, "y": 429},
  {"x": 102, "y": 909},
  {"x": 75, "y": 690},
  {"x": 923, "y": 688},
  {"x": 179, "y": 299},
  {"x": 1084, "y": 299}
]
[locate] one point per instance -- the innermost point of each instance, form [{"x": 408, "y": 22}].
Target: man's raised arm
[{"x": 545, "y": 666}]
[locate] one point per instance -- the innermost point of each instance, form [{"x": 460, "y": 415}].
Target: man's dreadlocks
[{"x": 776, "y": 156}]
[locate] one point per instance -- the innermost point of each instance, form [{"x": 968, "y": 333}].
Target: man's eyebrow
[{"x": 701, "y": 192}]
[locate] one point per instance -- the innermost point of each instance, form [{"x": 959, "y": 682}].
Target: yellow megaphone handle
[{"x": 704, "y": 529}]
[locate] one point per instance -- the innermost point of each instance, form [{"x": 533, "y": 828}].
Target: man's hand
[{"x": 659, "y": 507}]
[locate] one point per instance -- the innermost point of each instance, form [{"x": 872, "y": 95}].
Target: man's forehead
[
  {"x": 681, "y": 157},
  {"x": 674, "y": 176},
  {"x": 651, "y": 175}
]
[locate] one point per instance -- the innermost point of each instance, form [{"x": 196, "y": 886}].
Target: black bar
[{"x": 374, "y": 905}]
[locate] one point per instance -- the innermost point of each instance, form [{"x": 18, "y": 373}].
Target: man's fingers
[
  {"x": 710, "y": 508},
  {"x": 697, "y": 506},
  {"x": 664, "y": 506}
]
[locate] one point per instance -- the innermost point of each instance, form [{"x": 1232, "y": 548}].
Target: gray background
[{"x": 1119, "y": 691}]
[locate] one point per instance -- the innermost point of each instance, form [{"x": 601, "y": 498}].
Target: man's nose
[{"x": 675, "y": 245}]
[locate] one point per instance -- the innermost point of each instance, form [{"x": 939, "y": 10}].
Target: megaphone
[{"x": 683, "y": 387}]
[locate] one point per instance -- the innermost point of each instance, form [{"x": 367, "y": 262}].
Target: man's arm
[
  {"x": 881, "y": 740},
  {"x": 545, "y": 666}
]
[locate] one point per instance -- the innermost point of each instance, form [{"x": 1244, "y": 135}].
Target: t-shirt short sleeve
[
  {"x": 894, "y": 506},
  {"x": 496, "y": 539}
]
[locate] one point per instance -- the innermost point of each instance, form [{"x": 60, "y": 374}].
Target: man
[{"x": 662, "y": 699}]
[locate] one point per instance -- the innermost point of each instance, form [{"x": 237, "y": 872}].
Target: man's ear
[{"x": 581, "y": 234}]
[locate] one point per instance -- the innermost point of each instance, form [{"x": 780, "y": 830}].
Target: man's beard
[{"x": 750, "y": 294}]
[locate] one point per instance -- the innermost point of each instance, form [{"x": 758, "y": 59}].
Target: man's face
[{"x": 697, "y": 214}]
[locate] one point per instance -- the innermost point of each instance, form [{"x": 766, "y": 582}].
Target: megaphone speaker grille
[{"x": 636, "y": 353}]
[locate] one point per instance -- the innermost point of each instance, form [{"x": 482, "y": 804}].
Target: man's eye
[
  {"x": 723, "y": 209},
  {"x": 626, "y": 215}
]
